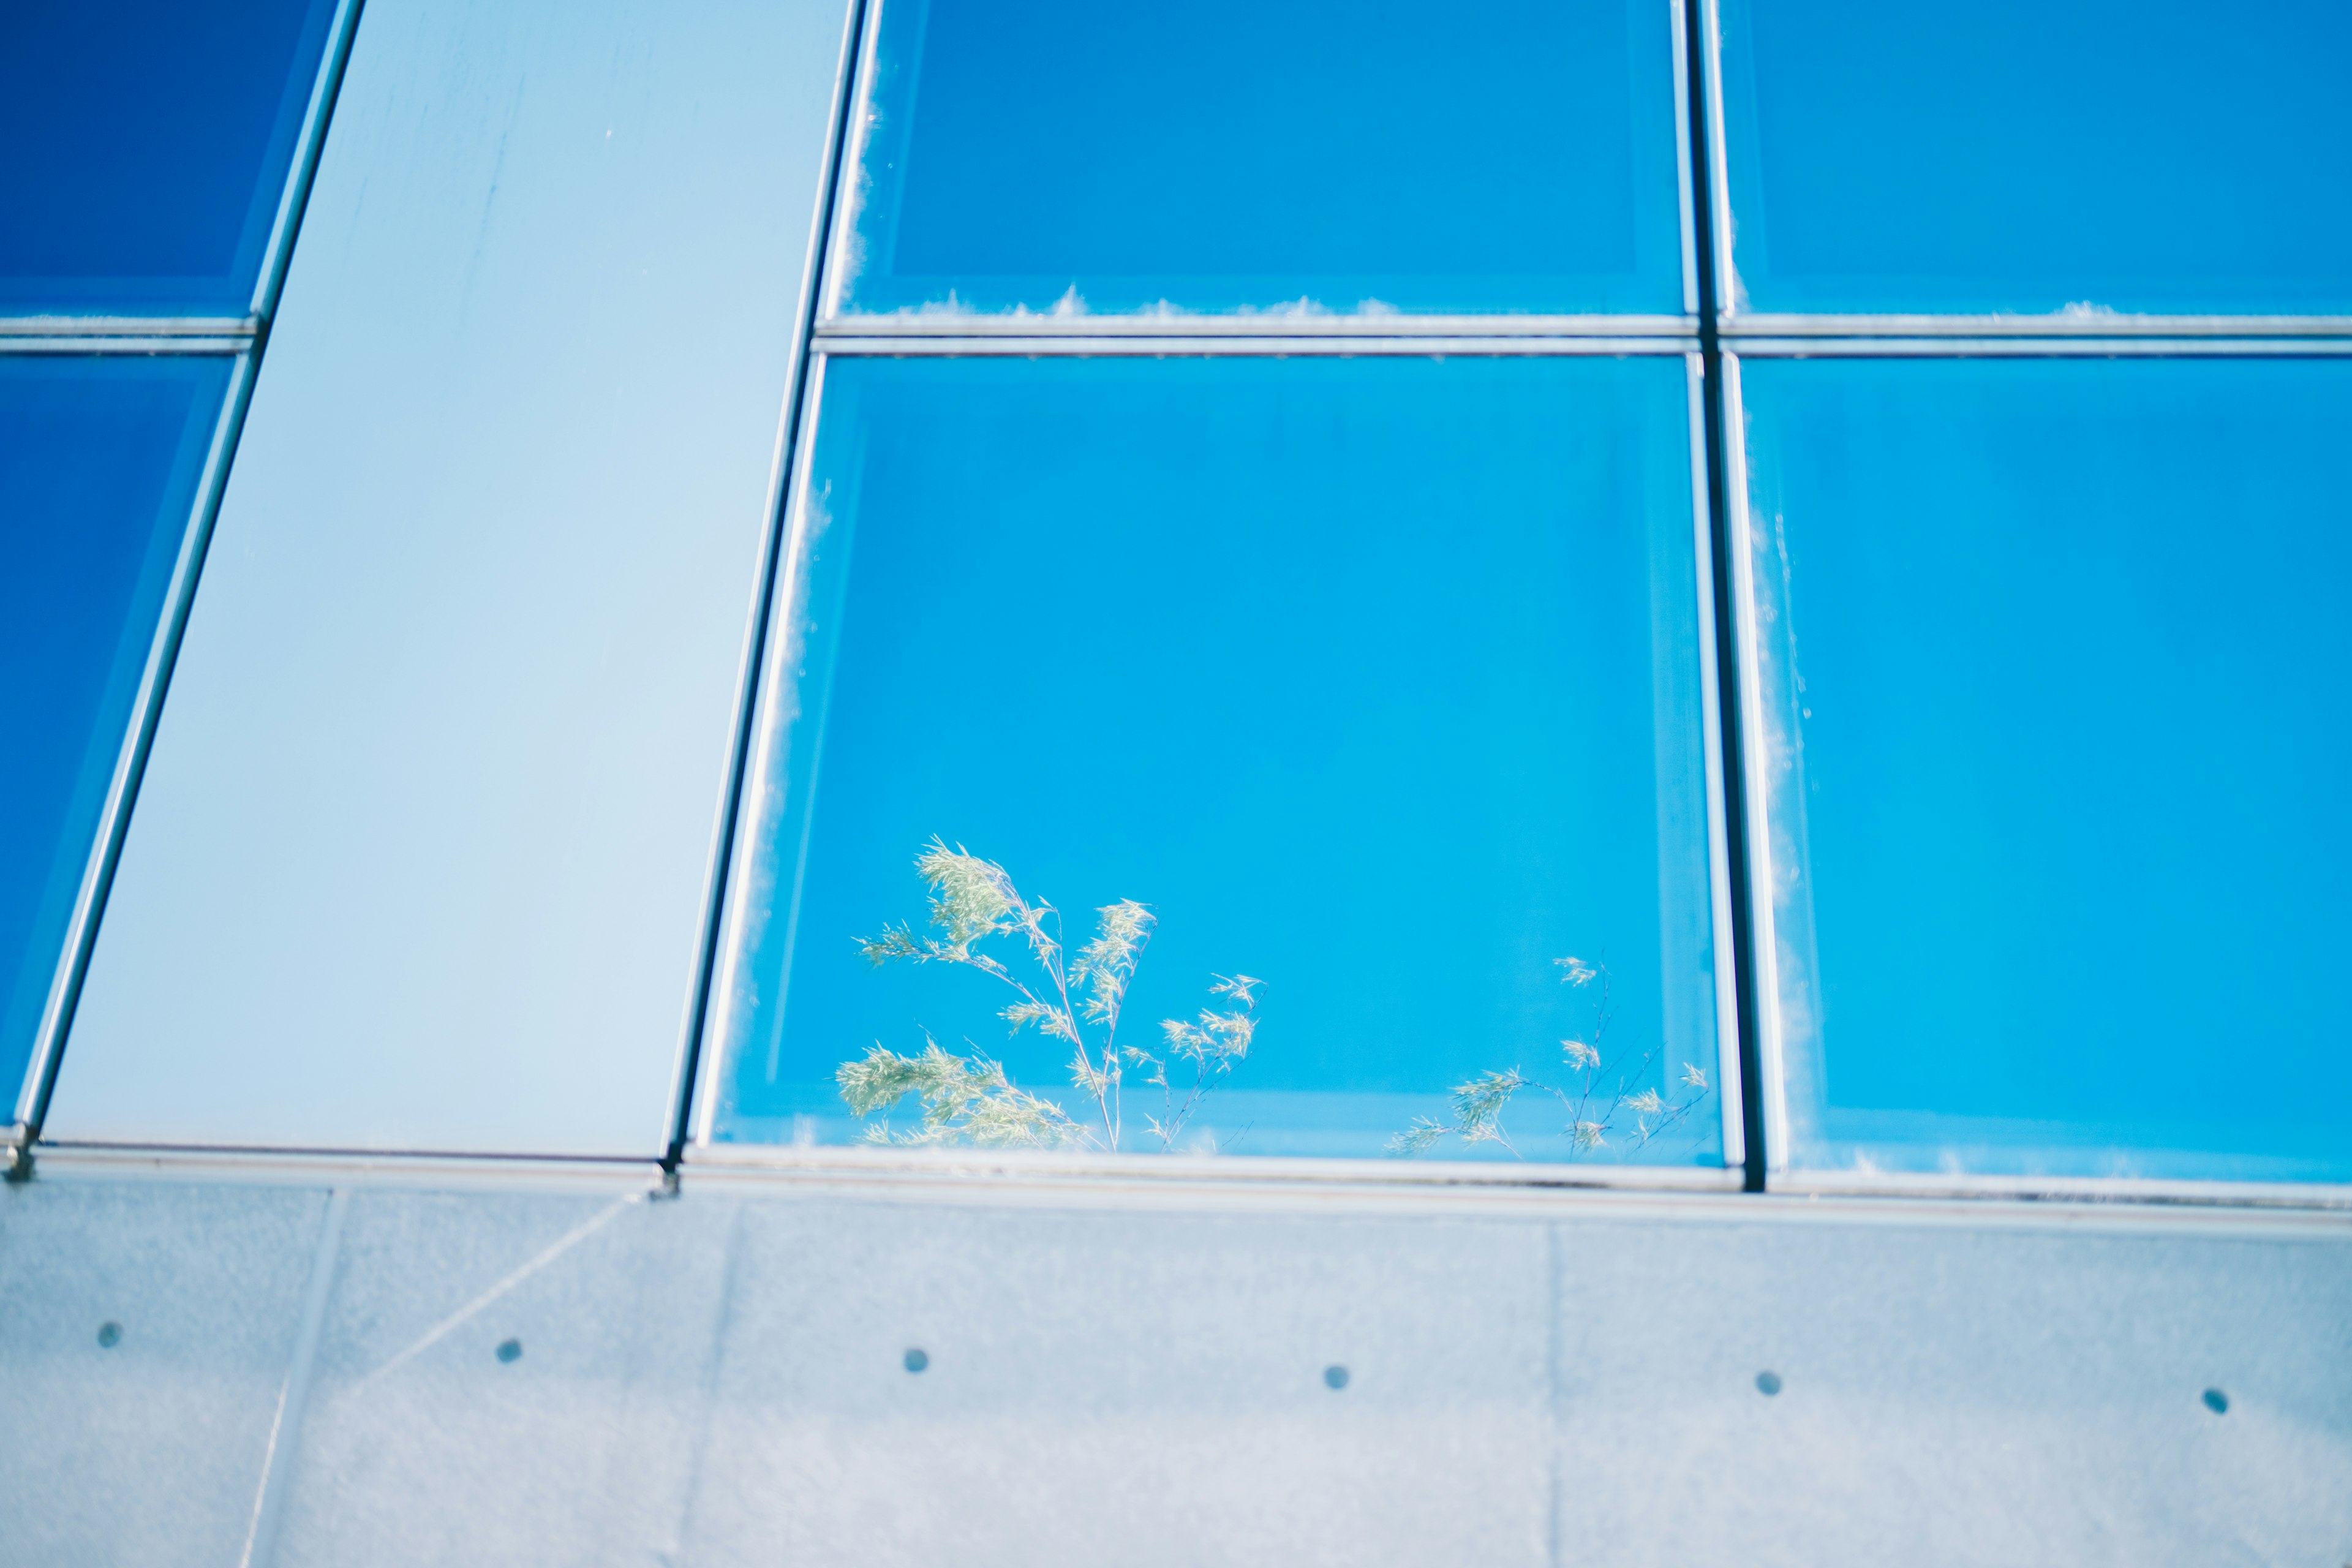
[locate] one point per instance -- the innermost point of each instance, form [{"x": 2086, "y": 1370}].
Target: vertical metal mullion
[
  {"x": 1770, "y": 1092},
  {"x": 847, "y": 156},
  {"x": 1709, "y": 238},
  {"x": 1686, "y": 202},
  {"x": 1731, "y": 1076},
  {"x": 324, "y": 89},
  {"x": 690, "y": 1083},
  {"x": 130, "y": 765}
]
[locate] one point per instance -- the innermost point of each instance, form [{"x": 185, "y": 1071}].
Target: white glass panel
[{"x": 421, "y": 857}]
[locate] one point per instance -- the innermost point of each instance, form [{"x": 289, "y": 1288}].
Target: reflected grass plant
[
  {"x": 1597, "y": 1094},
  {"x": 1075, "y": 998}
]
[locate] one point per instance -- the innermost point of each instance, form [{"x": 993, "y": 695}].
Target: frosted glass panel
[{"x": 1376, "y": 682}]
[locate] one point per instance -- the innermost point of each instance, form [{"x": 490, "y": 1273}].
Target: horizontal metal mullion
[
  {"x": 110, "y": 345},
  {"x": 129, "y": 326},
  {"x": 866, "y": 1162},
  {"x": 2043, "y": 348},
  {"x": 1267, "y": 324},
  {"x": 985, "y": 1175},
  {"x": 259, "y": 1165},
  {"x": 993, "y": 1175},
  {"x": 2056, "y": 326},
  {"x": 2307, "y": 1195},
  {"x": 1206, "y": 347}
]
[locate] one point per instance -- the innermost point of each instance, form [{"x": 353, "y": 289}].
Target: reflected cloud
[{"x": 1072, "y": 305}]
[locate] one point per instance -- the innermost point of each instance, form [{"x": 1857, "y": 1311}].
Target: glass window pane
[
  {"x": 99, "y": 464},
  {"x": 147, "y": 145},
  {"x": 1236, "y": 155},
  {"x": 2055, "y": 660},
  {"x": 1375, "y": 680},
  {"x": 2102, "y": 154}
]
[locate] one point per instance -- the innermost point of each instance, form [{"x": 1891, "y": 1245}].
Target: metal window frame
[
  {"x": 127, "y": 334},
  {"x": 245, "y": 339},
  {"x": 2075, "y": 335},
  {"x": 694, "y": 1081},
  {"x": 1960, "y": 345},
  {"x": 1712, "y": 334},
  {"x": 705, "y": 1056},
  {"x": 1045, "y": 329},
  {"x": 830, "y": 332}
]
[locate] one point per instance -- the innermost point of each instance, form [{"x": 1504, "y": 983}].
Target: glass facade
[
  {"x": 1582, "y": 583},
  {"x": 921, "y": 780}
]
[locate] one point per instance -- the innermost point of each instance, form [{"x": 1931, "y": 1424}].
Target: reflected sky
[
  {"x": 146, "y": 155},
  {"x": 99, "y": 464},
  {"x": 1252, "y": 154},
  {"x": 1376, "y": 680},
  {"x": 2019, "y": 155},
  {"x": 2059, "y": 648}
]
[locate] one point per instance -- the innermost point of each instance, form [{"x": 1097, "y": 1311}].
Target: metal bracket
[{"x": 17, "y": 1155}]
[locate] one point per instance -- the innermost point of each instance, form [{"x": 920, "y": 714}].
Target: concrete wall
[{"x": 309, "y": 1371}]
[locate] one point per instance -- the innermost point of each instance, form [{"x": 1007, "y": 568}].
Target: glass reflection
[
  {"x": 2102, "y": 155},
  {"x": 1058, "y": 157},
  {"x": 1347, "y": 714},
  {"x": 148, "y": 144},
  {"x": 2061, "y": 745},
  {"x": 99, "y": 460}
]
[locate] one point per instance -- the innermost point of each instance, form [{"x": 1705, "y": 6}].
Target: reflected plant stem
[
  {"x": 1479, "y": 1104},
  {"x": 970, "y": 1099}
]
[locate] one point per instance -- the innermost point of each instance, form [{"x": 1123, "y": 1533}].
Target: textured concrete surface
[
  {"x": 146, "y": 1328},
  {"x": 608, "y": 1377}
]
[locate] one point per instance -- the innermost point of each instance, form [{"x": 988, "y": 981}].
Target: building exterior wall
[
  {"x": 310, "y": 1357},
  {"x": 399, "y": 1199}
]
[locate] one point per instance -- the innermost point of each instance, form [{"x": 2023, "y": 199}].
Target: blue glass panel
[
  {"x": 1377, "y": 679},
  {"x": 99, "y": 464},
  {"x": 2057, "y": 652},
  {"x": 1241, "y": 155},
  {"x": 146, "y": 146},
  {"x": 2017, "y": 155}
]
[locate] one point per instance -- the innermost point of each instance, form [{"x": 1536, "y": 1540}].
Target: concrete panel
[
  {"x": 722, "y": 1379},
  {"x": 1128, "y": 1387},
  {"x": 506, "y": 1378},
  {"x": 145, "y": 1444},
  {"x": 1955, "y": 1393}
]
